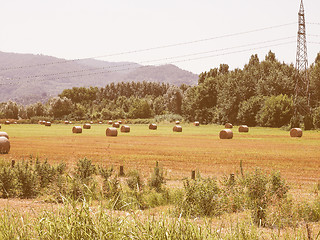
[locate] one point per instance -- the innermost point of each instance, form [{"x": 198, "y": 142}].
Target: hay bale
[
  {"x": 4, "y": 134},
  {"x": 48, "y": 124},
  {"x": 296, "y": 132},
  {"x": 110, "y": 122},
  {"x": 228, "y": 125},
  {"x": 116, "y": 125},
  {"x": 86, "y": 126},
  {"x": 153, "y": 126},
  {"x": 120, "y": 122},
  {"x": 77, "y": 129},
  {"x": 243, "y": 128},
  {"x": 111, "y": 132},
  {"x": 66, "y": 122},
  {"x": 196, "y": 123},
  {"x": 226, "y": 134},
  {"x": 91, "y": 122},
  {"x": 100, "y": 122},
  {"x": 177, "y": 122},
  {"x": 177, "y": 128},
  {"x": 125, "y": 128},
  {"x": 4, "y": 145},
  {"x": 7, "y": 122}
]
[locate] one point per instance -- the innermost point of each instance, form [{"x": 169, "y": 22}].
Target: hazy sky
[{"x": 82, "y": 28}]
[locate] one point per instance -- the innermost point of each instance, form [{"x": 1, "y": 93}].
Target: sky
[{"x": 199, "y": 30}]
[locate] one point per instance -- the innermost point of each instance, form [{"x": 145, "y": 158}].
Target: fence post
[
  {"x": 121, "y": 173},
  {"x": 193, "y": 175}
]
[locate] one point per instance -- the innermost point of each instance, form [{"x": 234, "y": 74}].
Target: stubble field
[{"x": 196, "y": 148}]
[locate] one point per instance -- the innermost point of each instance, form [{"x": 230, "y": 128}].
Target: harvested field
[{"x": 298, "y": 159}]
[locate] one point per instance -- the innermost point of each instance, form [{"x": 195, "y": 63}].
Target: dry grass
[{"x": 197, "y": 148}]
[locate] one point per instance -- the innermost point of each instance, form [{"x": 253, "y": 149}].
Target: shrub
[
  {"x": 157, "y": 178},
  {"x": 27, "y": 180},
  {"x": 46, "y": 173},
  {"x": 85, "y": 169},
  {"x": 201, "y": 198},
  {"x": 256, "y": 184},
  {"x": 134, "y": 181},
  {"x": 7, "y": 181}
]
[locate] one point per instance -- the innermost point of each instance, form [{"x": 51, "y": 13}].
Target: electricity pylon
[{"x": 302, "y": 95}]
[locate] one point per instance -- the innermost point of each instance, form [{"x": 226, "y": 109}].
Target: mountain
[{"x": 28, "y": 78}]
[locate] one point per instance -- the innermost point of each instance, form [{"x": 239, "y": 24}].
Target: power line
[
  {"x": 153, "y": 48},
  {"x": 150, "y": 61},
  {"x": 183, "y": 60}
]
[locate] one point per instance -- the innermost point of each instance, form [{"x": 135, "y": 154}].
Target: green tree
[{"x": 276, "y": 112}]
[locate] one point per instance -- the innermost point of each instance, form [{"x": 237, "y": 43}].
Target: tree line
[{"x": 260, "y": 94}]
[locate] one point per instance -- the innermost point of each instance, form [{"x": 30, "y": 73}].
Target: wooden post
[
  {"x": 231, "y": 179},
  {"x": 121, "y": 171},
  {"x": 193, "y": 175}
]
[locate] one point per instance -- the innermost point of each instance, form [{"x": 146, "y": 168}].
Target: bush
[
  {"x": 157, "y": 178},
  {"x": 201, "y": 198},
  {"x": 7, "y": 181},
  {"x": 134, "y": 181},
  {"x": 46, "y": 173},
  {"x": 27, "y": 180},
  {"x": 84, "y": 170}
]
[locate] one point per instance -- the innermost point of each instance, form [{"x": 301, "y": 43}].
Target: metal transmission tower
[{"x": 302, "y": 81}]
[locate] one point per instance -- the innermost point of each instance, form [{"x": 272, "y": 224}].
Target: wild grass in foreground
[
  {"x": 189, "y": 210},
  {"x": 74, "y": 221}
]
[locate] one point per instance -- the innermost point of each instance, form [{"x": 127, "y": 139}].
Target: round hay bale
[
  {"x": 91, "y": 122},
  {"x": 110, "y": 122},
  {"x": 177, "y": 122},
  {"x": 196, "y": 123},
  {"x": 112, "y": 132},
  {"x": 116, "y": 125},
  {"x": 77, "y": 129},
  {"x": 70, "y": 122},
  {"x": 86, "y": 126},
  {"x": 120, "y": 122},
  {"x": 153, "y": 126},
  {"x": 226, "y": 134},
  {"x": 15, "y": 123},
  {"x": 4, "y": 134},
  {"x": 48, "y": 124},
  {"x": 7, "y": 122},
  {"x": 4, "y": 145},
  {"x": 177, "y": 128},
  {"x": 296, "y": 132},
  {"x": 243, "y": 128},
  {"x": 125, "y": 128},
  {"x": 100, "y": 122},
  {"x": 66, "y": 122},
  {"x": 228, "y": 125}
]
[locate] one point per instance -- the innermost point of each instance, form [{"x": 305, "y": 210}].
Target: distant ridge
[{"x": 16, "y": 86}]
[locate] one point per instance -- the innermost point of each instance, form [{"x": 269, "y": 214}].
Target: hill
[{"x": 28, "y": 78}]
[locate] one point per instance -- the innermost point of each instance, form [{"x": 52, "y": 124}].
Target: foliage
[
  {"x": 201, "y": 198},
  {"x": 276, "y": 112},
  {"x": 157, "y": 178}
]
